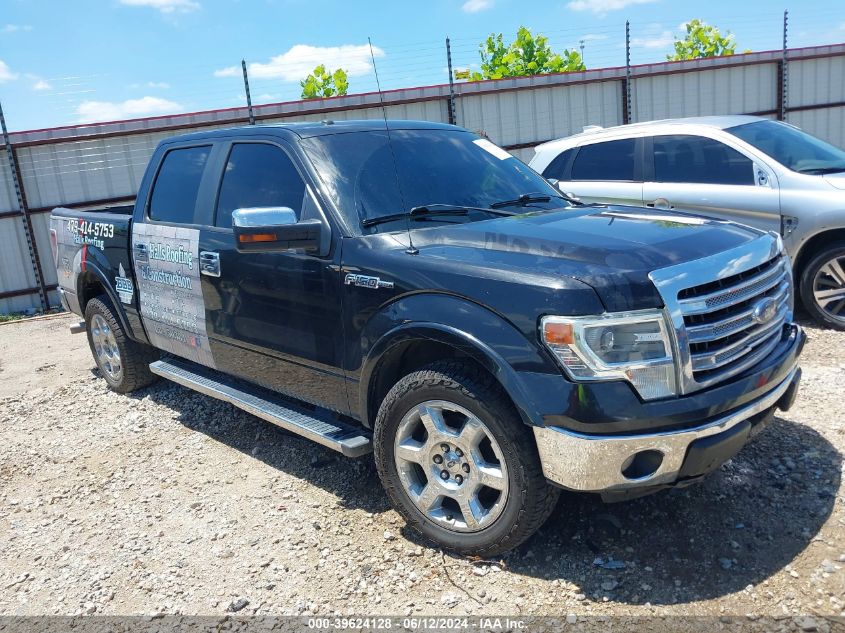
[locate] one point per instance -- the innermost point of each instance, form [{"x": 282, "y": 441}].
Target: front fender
[{"x": 516, "y": 359}]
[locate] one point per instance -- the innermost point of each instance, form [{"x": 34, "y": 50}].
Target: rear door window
[
  {"x": 696, "y": 159},
  {"x": 258, "y": 175},
  {"x": 611, "y": 160},
  {"x": 177, "y": 185}
]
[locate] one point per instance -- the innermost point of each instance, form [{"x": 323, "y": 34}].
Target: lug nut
[
  {"x": 444, "y": 475},
  {"x": 438, "y": 459},
  {"x": 458, "y": 479},
  {"x": 459, "y": 452},
  {"x": 465, "y": 467},
  {"x": 444, "y": 448}
]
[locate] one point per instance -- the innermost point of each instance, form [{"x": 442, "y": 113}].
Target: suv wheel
[
  {"x": 457, "y": 462},
  {"x": 823, "y": 286},
  {"x": 124, "y": 363}
]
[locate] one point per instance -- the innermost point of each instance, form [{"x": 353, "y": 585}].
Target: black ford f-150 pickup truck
[{"x": 411, "y": 289}]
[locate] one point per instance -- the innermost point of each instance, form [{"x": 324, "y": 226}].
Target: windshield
[
  {"x": 791, "y": 147},
  {"x": 435, "y": 167}
]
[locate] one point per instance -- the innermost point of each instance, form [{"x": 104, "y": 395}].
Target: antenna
[{"x": 412, "y": 250}]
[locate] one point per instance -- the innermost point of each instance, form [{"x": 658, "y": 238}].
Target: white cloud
[
  {"x": 40, "y": 84},
  {"x": 592, "y": 37},
  {"x": 154, "y": 85},
  {"x": 6, "y": 73},
  {"x": 12, "y": 28},
  {"x": 90, "y": 111},
  {"x": 165, "y": 6},
  {"x": 603, "y": 7},
  {"x": 658, "y": 40},
  {"x": 301, "y": 59},
  {"x": 474, "y": 6}
]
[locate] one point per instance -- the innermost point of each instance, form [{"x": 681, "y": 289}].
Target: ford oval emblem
[{"x": 764, "y": 310}]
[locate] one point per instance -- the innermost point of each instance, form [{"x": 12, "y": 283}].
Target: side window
[
  {"x": 613, "y": 160},
  {"x": 258, "y": 175},
  {"x": 695, "y": 159},
  {"x": 557, "y": 168},
  {"x": 177, "y": 184}
]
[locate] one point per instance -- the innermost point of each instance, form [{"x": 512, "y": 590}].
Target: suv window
[
  {"x": 612, "y": 160},
  {"x": 696, "y": 159},
  {"x": 258, "y": 175},
  {"x": 557, "y": 168},
  {"x": 174, "y": 196}
]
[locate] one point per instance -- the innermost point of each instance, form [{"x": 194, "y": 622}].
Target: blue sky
[{"x": 64, "y": 62}]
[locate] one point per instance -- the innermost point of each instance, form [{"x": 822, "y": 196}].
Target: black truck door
[{"x": 273, "y": 318}]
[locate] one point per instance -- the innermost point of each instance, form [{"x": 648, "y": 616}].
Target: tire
[
  {"x": 123, "y": 363},
  {"x": 825, "y": 273},
  {"x": 464, "y": 396}
]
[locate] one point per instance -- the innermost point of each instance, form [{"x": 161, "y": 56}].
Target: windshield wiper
[
  {"x": 429, "y": 210},
  {"x": 819, "y": 171},
  {"x": 528, "y": 198}
]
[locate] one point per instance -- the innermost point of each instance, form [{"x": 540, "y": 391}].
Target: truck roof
[{"x": 308, "y": 129}]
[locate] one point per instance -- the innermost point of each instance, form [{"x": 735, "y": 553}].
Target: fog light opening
[{"x": 642, "y": 465}]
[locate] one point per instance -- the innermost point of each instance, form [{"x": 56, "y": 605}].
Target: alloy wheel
[
  {"x": 106, "y": 350},
  {"x": 451, "y": 466}
]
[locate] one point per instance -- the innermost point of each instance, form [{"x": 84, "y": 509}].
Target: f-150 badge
[{"x": 365, "y": 281}]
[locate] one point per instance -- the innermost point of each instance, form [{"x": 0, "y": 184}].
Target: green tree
[
  {"x": 526, "y": 55},
  {"x": 323, "y": 83},
  {"x": 702, "y": 40}
]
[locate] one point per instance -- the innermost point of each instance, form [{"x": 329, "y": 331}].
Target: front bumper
[{"x": 621, "y": 463}]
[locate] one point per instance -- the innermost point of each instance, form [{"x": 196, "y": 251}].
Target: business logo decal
[{"x": 124, "y": 286}]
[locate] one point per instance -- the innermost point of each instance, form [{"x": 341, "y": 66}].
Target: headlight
[{"x": 632, "y": 346}]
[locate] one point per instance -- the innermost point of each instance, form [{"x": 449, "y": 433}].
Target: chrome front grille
[
  {"x": 729, "y": 312},
  {"x": 725, "y": 336}
]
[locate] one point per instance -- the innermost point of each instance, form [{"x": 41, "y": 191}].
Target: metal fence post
[
  {"x": 27, "y": 222},
  {"x": 453, "y": 119},
  {"x": 626, "y": 111},
  {"x": 784, "y": 72},
  {"x": 248, "y": 98}
]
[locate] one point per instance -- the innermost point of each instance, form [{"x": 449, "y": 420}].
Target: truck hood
[{"x": 612, "y": 249}]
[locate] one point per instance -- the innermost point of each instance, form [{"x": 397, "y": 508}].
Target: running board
[{"x": 259, "y": 402}]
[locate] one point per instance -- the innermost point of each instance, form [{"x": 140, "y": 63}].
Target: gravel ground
[{"x": 166, "y": 501}]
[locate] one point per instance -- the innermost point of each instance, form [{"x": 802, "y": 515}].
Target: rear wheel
[
  {"x": 823, "y": 286},
  {"x": 458, "y": 463},
  {"x": 123, "y": 363}
]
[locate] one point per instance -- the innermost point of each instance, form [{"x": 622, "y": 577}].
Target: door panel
[
  {"x": 704, "y": 176},
  {"x": 273, "y": 318},
  {"x": 747, "y": 204},
  {"x": 165, "y": 241}
]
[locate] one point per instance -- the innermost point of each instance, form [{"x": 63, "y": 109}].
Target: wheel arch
[
  {"x": 812, "y": 246},
  {"x": 410, "y": 346},
  {"x": 92, "y": 282}
]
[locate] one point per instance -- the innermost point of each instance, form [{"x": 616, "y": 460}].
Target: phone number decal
[{"x": 87, "y": 228}]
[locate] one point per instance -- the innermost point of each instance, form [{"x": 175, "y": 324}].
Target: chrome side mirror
[{"x": 273, "y": 229}]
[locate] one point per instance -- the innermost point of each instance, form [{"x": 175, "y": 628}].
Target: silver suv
[{"x": 765, "y": 173}]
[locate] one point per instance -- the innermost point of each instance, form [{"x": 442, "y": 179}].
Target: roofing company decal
[
  {"x": 170, "y": 290},
  {"x": 124, "y": 286}
]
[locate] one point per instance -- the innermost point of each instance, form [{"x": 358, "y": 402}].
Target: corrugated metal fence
[{"x": 103, "y": 163}]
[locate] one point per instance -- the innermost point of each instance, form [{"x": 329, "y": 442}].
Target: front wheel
[
  {"x": 123, "y": 363},
  {"x": 823, "y": 286},
  {"x": 457, "y": 462}
]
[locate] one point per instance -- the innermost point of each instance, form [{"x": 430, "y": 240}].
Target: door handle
[
  {"x": 210, "y": 263},
  {"x": 660, "y": 203}
]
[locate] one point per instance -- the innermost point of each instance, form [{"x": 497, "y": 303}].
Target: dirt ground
[{"x": 166, "y": 501}]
